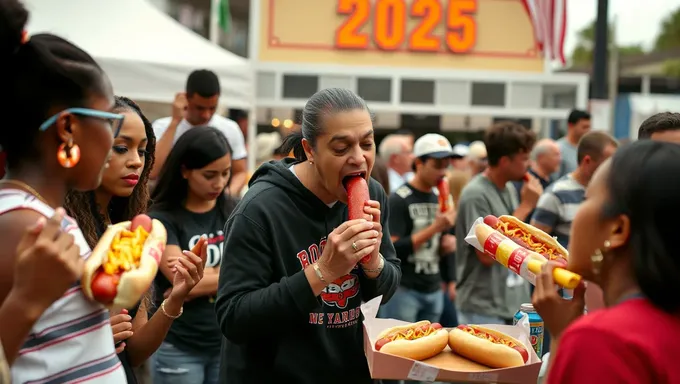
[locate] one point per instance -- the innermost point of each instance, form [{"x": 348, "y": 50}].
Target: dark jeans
[{"x": 449, "y": 317}]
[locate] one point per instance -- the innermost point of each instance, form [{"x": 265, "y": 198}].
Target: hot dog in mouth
[
  {"x": 357, "y": 196},
  {"x": 417, "y": 341},
  {"x": 124, "y": 263}
]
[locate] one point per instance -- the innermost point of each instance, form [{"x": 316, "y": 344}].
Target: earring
[
  {"x": 68, "y": 154},
  {"x": 311, "y": 162},
  {"x": 597, "y": 258}
]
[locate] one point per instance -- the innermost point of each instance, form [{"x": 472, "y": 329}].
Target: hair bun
[{"x": 13, "y": 19}]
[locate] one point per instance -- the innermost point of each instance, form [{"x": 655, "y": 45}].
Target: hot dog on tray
[
  {"x": 519, "y": 259},
  {"x": 487, "y": 346},
  {"x": 417, "y": 341},
  {"x": 528, "y": 237},
  {"x": 124, "y": 263}
]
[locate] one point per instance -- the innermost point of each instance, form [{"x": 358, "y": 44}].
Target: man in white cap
[{"x": 419, "y": 234}]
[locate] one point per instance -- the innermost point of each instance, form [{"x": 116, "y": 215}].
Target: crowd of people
[{"x": 273, "y": 289}]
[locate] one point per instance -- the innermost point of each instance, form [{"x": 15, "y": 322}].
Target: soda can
[{"x": 536, "y": 327}]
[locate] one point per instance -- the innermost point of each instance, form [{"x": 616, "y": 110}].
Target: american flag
[{"x": 549, "y": 18}]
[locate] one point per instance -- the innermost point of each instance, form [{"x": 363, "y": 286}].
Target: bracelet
[
  {"x": 318, "y": 273},
  {"x": 181, "y": 310},
  {"x": 381, "y": 265}
]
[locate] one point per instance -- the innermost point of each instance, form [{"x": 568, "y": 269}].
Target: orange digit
[
  {"x": 462, "y": 27},
  {"x": 349, "y": 35},
  {"x": 389, "y": 24},
  {"x": 430, "y": 13}
]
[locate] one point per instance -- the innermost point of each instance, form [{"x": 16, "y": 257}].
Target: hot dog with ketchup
[
  {"x": 444, "y": 194},
  {"x": 124, "y": 263},
  {"x": 529, "y": 237},
  {"x": 357, "y": 196},
  {"x": 487, "y": 346},
  {"x": 417, "y": 341}
]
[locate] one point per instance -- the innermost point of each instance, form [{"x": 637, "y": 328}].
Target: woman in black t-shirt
[
  {"x": 124, "y": 193},
  {"x": 190, "y": 199}
]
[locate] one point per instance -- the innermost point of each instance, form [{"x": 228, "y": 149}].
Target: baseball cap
[
  {"x": 433, "y": 145},
  {"x": 460, "y": 150}
]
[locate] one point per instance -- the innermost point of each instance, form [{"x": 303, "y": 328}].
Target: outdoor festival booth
[
  {"x": 466, "y": 62},
  {"x": 146, "y": 54}
]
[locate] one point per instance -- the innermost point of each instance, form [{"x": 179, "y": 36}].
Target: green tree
[
  {"x": 583, "y": 52},
  {"x": 669, "y": 34}
]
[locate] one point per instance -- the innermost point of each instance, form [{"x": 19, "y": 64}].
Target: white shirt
[
  {"x": 229, "y": 129},
  {"x": 397, "y": 180}
]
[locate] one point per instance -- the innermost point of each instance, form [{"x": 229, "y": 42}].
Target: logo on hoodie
[{"x": 341, "y": 301}]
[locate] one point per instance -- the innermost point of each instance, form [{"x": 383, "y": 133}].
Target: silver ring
[{"x": 354, "y": 246}]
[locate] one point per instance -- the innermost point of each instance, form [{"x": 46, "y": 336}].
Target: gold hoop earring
[{"x": 597, "y": 258}]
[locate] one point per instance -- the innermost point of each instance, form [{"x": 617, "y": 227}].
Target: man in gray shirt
[
  {"x": 578, "y": 124},
  {"x": 482, "y": 284}
]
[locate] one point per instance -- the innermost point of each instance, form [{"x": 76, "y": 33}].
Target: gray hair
[
  {"x": 542, "y": 147},
  {"x": 391, "y": 145}
]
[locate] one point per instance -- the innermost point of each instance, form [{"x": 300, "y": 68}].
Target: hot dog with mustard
[
  {"x": 487, "y": 346},
  {"x": 124, "y": 263},
  {"x": 417, "y": 341}
]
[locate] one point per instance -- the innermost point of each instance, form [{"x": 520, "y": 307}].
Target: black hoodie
[{"x": 276, "y": 330}]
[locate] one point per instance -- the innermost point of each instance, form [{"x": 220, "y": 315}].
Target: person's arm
[
  {"x": 239, "y": 154},
  {"x": 249, "y": 291},
  {"x": 588, "y": 355},
  {"x": 164, "y": 141},
  {"x": 17, "y": 314},
  {"x": 388, "y": 280},
  {"x": 150, "y": 333},
  {"x": 547, "y": 213}
]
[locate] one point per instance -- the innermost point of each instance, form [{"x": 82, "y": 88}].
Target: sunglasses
[{"x": 115, "y": 120}]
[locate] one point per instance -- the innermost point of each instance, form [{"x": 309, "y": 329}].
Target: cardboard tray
[{"x": 447, "y": 366}]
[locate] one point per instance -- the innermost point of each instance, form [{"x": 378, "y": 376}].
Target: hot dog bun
[
  {"x": 537, "y": 233},
  {"x": 134, "y": 283},
  {"x": 418, "y": 349},
  {"x": 484, "y": 351}
]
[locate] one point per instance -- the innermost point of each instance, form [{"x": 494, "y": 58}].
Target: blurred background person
[
  {"x": 197, "y": 106},
  {"x": 545, "y": 160},
  {"x": 397, "y": 152},
  {"x": 459, "y": 159},
  {"x": 578, "y": 124},
  {"x": 664, "y": 126},
  {"x": 380, "y": 174},
  {"x": 477, "y": 157},
  {"x": 266, "y": 146}
]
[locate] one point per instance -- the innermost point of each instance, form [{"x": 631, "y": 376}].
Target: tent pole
[{"x": 214, "y": 31}]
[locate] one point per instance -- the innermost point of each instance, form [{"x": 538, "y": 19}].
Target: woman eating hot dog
[
  {"x": 124, "y": 194},
  {"x": 57, "y": 129},
  {"x": 295, "y": 270},
  {"x": 624, "y": 238},
  {"x": 191, "y": 202}
]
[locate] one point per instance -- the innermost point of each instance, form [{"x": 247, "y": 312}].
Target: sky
[{"x": 638, "y": 20}]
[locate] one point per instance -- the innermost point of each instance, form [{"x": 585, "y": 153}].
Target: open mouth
[{"x": 352, "y": 175}]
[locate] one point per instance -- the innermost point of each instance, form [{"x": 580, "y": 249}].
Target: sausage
[
  {"x": 493, "y": 222},
  {"x": 357, "y": 197},
  {"x": 443, "y": 187},
  {"x": 143, "y": 221}
]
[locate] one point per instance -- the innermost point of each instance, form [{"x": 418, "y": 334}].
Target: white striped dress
[{"x": 72, "y": 342}]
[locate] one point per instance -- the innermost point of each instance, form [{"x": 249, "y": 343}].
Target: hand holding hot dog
[
  {"x": 47, "y": 255},
  {"x": 346, "y": 246},
  {"x": 121, "y": 326},
  {"x": 556, "y": 312},
  {"x": 189, "y": 270},
  {"x": 445, "y": 220}
]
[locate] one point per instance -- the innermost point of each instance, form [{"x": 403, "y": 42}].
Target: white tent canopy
[{"x": 146, "y": 54}]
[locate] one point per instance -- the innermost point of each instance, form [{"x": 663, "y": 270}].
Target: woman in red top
[{"x": 624, "y": 238}]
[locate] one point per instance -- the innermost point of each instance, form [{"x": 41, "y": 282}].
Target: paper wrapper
[
  {"x": 520, "y": 267},
  {"x": 447, "y": 366}
]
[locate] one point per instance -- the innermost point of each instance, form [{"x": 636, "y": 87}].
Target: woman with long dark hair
[
  {"x": 624, "y": 239},
  {"x": 124, "y": 194},
  {"x": 291, "y": 282},
  {"x": 57, "y": 131},
  {"x": 191, "y": 202}
]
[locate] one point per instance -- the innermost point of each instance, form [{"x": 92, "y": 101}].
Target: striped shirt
[
  {"x": 557, "y": 207},
  {"x": 72, "y": 342}
]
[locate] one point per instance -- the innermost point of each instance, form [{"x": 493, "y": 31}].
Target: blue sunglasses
[{"x": 115, "y": 120}]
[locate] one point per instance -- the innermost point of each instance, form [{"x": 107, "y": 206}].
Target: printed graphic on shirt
[
  {"x": 426, "y": 258},
  {"x": 341, "y": 300},
  {"x": 215, "y": 247}
]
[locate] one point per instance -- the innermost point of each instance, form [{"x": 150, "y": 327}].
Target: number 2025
[{"x": 389, "y": 23}]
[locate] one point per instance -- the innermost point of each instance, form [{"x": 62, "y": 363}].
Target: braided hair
[{"x": 83, "y": 207}]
